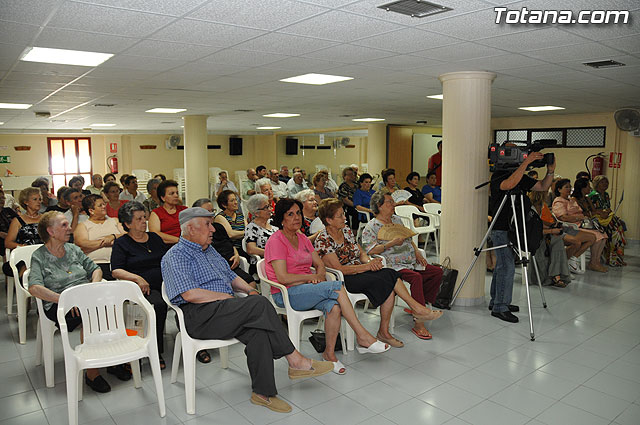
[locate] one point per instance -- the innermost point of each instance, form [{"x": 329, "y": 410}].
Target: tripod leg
[
  {"x": 478, "y": 250},
  {"x": 524, "y": 259},
  {"x": 535, "y": 267}
]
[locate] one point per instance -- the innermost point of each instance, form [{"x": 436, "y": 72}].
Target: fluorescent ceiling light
[
  {"x": 102, "y": 125},
  {"x": 1, "y": 123},
  {"x": 540, "y": 108},
  {"x": 165, "y": 110},
  {"x": 15, "y": 105},
  {"x": 64, "y": 57},
  {"x": 436, "y": 96},
  {"x": 281, "y": 115},
  {"x": 316, "y": 79},
  {"x": 267, "y": 128},
  {"x": 368, "y": 119}
]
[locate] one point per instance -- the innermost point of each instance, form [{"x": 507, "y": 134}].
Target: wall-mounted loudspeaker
[
  {"x": 292, "y": 146},
  {"x": 235, "y": 146}
]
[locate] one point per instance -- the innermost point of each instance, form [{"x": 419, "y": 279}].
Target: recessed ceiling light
[
  {"x": 102, "y": 125},
  {"x": 1, "y": 123},
  {"x": 316, "y": 79},
  {"x": 64, "y": 57},
  {"x": 281, "y": 115},
  {"x": 540, "y": 108},
  {"x": 267, "y": 128},
  {"x": 368, "y": 119},
  {"x": 436, "y": 96},
  {"x": 15, "y": 105},
  {"x": 165, "y": 110}
]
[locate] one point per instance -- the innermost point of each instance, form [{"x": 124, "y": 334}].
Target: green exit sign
[{"x": 5, "y": 159}]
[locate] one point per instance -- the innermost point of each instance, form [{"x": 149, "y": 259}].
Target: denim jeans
[{"x": 503, "y": 273}]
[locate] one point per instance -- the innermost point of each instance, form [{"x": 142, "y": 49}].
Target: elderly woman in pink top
[{"x": 289, "y": 256}]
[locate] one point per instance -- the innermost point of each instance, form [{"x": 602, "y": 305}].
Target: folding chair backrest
[
  {"x": 101, "y": 308},
  {"x": 433, "y": 208}
]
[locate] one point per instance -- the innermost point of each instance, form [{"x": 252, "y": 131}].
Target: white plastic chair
[
  {"x": 435, "y": 210},
  {"x": 9, "y": 282},
  {"x": 294, "y": 317},
  {"x": 189, "y": 348},
  {"x": 44, "y": 338},
  {"x": 105, "y": 339},
  {"x": 22, "y": 253},
  {"x": 361, "y": 226},
  {"x": 244, "y": 248},
  {"x": 406, "y": 213}
]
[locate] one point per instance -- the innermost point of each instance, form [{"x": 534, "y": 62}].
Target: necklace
[
  {"x": 34, "y": 216},
  {"x": 146, "y": 246}
]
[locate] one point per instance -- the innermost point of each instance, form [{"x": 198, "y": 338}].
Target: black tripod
[{"x": 523, "y": 255}]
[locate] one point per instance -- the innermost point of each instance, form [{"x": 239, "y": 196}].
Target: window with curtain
[{"x": 69, "y": 157}]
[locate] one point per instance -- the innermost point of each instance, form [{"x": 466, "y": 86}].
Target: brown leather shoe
[{"x": 272, "y": 403}]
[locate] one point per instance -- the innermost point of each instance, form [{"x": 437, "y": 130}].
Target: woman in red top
[
  {"x": 112, "y": 192},
  {"x": 164, "y": 220}
]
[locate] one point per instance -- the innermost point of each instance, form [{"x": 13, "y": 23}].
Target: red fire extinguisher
[
  {"x": 112, "y": 162},
  {"x": 598, "y": 166}
]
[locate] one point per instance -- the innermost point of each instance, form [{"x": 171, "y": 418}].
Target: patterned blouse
[
  {"x": 346, "y": 192},
  {"x": 397, "y": 257},
  {"x": 237, "y": 224},
  {"x": 258, "y": 235},
  {"x": 28, "y": 233},
  {"x": 601, "y": 202},
  {"x": 306, "y": 225},
  {"x": 348, "y": 252}
]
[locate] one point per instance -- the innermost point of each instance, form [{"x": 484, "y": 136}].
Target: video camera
[{"x": 502, "y": 157}]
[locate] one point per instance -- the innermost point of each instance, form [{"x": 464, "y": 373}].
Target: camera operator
[{"x": 501, "y": 183}]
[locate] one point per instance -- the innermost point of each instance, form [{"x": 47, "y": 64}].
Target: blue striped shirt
[{"x": 186, "y": 266}]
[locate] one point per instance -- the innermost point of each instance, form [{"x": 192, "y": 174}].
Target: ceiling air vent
[
  {"x": 414, "y": 8},
  {"x": 104, "y": 105},
  {"x": 604, "y": 64},
  {"x": 244, "y": 110}
]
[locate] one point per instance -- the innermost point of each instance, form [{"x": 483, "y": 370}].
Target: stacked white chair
[
  {"x": 105, "y": 338},
  {"x": 189, "y": 348}
]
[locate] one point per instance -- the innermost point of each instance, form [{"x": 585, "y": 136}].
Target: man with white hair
[
  {"x": 200, "y": 281},
  {"x": 296, "y": 184},
  {"x": 249, "y": 186},
  {"x": 284, "y": 174},
  {"x": 279, "y": 188}
]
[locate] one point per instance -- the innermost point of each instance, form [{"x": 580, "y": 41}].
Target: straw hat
[{"x": 394, "y": 230}]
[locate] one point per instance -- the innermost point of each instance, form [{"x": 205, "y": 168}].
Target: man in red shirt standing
[{"x": 435, "y": 164}]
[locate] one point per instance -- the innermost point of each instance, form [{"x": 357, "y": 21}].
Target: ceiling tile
[
  {"x": 262, "y": 14},
  {"x": 459, "y": 52},
  {"x": 82, "y": 40},
  {"x": 407, "y": 40},
  {"x": 18, "y": 33},
  {"x": 50, "y": 69},
  {"x": 630, "y": 44},
  {"x": 401, "y": 62},
  {"x": 243, "y": 57},
  {"x": 340, "y": 26},
  {"x": 285, "y": 44},
  {"x": 473, "y": 26},
  {"x": 164, "y": 49},
  {"x": 140, "y": 63},
  {"x": 533, "y": 40},
  {"x": 107, "y": 20},
  {"x": 496, "y": 63},
  {"x": 348, "y": 53},
  {"x": 579, "y": 52},
  {"x": 27, "y": 12},
  {"x": 173, "y": 7},
  {"x": 537, "y": 70},
  {"x": 301, "y": 65},
  {"x": 9, "y": 53},
  {"x": 205, "y": 33}
]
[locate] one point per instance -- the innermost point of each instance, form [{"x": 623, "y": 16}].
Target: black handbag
[
  {"x": 319, "y": 341},
  {"x": 447, "y": 286}
]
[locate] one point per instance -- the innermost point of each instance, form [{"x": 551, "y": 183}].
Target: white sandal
[
  {"x": 337, "y": 367},
  {"x": 375, "y": 348}
]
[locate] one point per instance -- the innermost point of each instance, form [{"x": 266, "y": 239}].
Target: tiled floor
[{"x": 583, "y": 368}]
